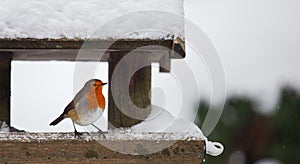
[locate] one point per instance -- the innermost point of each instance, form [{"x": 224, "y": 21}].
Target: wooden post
[
  {"x": 139, "y": 87},
  {"x": 5, "y": 69}
]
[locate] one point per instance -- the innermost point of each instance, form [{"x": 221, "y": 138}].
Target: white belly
[{"x": 87, "y": 117}]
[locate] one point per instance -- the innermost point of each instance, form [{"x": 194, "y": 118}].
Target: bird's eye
[{"x": 94, "y": 85}]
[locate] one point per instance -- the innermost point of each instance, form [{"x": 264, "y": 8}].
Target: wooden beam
[
  {"x": 5, "y": 66},
  {"x": 35, "y": 46},
  {"x": 60, "y": 148},
  {"x": 125, "y": 45},
  {"x": 76, "y": 55},
  {"x": 165, "y": 63},
  {"x": 139, "y": 87},
  {"x": 59, "y": 55}
]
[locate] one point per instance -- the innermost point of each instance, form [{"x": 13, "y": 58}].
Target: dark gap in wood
[{"x": 5, "y": 75}]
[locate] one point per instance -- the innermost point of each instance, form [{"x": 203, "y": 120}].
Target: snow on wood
[
  {"x": 111, "y": 135},
  {"x": 161, "y": 120},
  {"x": 159, "y": 126},
  {"x": 82, "y": 18},
  {"x": 3, "y": 127}
]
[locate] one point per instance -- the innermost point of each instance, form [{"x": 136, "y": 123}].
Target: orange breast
[{"x": 95, "y": 99}]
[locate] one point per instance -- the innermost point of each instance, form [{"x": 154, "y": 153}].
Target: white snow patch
[
  {"x": 161, "y": 121},
  {"x": 82, "y": 18},
  {"x": 29, "y": 137},
  {"x": 3, "y": 127}
]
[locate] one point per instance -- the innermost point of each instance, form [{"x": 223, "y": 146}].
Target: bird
[{"x": 87, "y": 106}]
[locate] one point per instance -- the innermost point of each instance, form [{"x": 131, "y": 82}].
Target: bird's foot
[
  {"x": 102, "y": 133},
  {"x": 79, "y": 134}
]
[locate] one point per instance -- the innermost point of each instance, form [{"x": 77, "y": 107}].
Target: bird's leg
[
  {"x": 99, "y": 130},
  {"x": 78, "y": 134}
]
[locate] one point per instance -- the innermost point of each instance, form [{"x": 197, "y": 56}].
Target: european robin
[{"x": 86, "y": 107}]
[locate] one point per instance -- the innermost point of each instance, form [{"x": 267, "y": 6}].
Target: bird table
[
  {"x": 63, "y": 147},
  {"x": 143, "y": 53}
]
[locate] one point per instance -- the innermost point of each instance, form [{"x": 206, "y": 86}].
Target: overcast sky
[{"x": 258, "y": 42}]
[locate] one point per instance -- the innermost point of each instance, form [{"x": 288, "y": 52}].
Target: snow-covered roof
[{"x": 101, "y": 19}]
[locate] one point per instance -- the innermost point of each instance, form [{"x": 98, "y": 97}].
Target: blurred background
[
  {"x": 259, "y": 43},
  {"x": 251, "y": 137}
]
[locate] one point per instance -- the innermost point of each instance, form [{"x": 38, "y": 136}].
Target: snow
[
  {"x": 118, "y": 134},
  {"x": 161, "y": 120},
  {"x": 3, "y": 127},
  {"x": 159, "y": 125},
  {"x": 82, "y": 19}
]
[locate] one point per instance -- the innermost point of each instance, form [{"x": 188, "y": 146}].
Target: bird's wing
[
  {"x": 76, "y": 99},
  {"x": 69, "y": 107}
]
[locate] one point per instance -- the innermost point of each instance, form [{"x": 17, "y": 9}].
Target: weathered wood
[
  {"x": 165, "y": 63},
  {"x": 5, "y": 66},
  {"x": 67, "y": 50},
  {"x": 58, "y": 55},
  {"x": 125, "y": 45},
  {"x": 17, "y": 45},
  {"x": 139, "y": 87},
  {"x": 85, "y": 151},
  {"x": 72, "y": 55}
]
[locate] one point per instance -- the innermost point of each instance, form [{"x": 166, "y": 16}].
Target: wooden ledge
[
  {"x": 63, "y": 147},
  {"x": 26, "y": 45}
]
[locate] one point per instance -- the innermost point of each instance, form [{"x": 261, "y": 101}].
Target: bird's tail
[{"x": 56, "y": 121}]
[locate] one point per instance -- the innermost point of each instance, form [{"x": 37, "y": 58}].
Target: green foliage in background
[{"x": 257, "y": 136}]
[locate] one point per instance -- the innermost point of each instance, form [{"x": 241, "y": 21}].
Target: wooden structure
[
  {"x": 5, "y": 60},
  {"x": 46, "y": 148},
  {"x": 73, "y": 150},
  {"x": 67, "y": 50}
]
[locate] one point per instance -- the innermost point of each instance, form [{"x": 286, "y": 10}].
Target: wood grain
[
  {"x": 139, "y": 87},
  {"x": 82, "y": 151}
]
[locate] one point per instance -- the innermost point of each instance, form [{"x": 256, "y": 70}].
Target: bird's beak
[{"x": 104, "y": 83}]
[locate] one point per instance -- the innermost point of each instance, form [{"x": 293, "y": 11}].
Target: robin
[{"x": 86, "y": 107}]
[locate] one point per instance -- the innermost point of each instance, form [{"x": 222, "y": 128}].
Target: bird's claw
[
  {"x": 102, "y": 133},
  {"x": 79, "y": 134}
]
